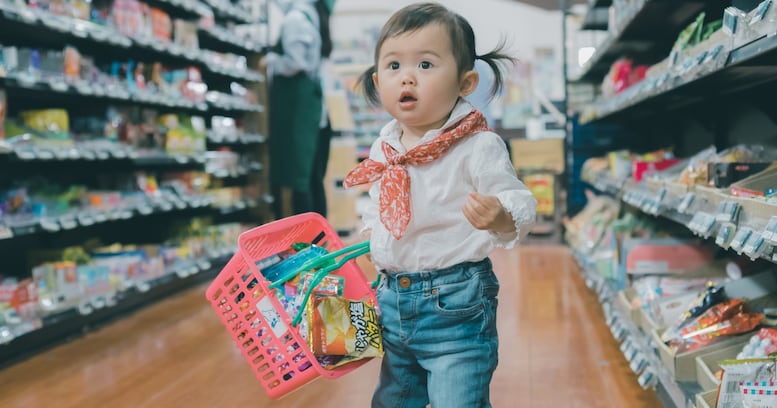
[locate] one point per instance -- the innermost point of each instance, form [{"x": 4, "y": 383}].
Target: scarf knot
[{"x": 394, "y": 201}]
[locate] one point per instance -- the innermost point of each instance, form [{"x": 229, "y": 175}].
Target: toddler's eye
[
  {"x": 425, "y": 65},
  {"x": 394, "y": 65}
]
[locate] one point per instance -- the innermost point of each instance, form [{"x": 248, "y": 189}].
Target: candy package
[
  {"x": 706, "y": 299},
  {"x": 730, "y": 317},
  {"x": 748, "y": 384},
  {"x": 344, "y": 327}
]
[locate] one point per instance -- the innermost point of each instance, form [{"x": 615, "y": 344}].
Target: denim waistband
[{"x": 423, "y": 280}]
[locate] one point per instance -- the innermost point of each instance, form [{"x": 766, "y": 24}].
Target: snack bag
[
  {"x": 344, "y": 327},
  {"x": 706, "y": 299},
  {"x": 726, "y": 318}
]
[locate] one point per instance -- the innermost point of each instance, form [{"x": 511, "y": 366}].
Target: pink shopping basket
[{"x": 256, "y": 320}]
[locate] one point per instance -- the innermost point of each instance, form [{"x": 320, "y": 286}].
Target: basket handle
[
  {"x": 355, "y": 251},
  {"x": 322, "y": 261}
]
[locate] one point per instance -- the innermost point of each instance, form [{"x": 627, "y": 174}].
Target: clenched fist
[{"x": 486, "y": 213}]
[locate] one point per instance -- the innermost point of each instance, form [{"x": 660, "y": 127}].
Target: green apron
[{"x": 294, "y": 114}]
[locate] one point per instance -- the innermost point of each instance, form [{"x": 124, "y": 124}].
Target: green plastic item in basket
[{"x": 324, "y": 265}]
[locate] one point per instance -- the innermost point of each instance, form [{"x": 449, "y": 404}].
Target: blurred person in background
[{"x": 299, "y": 148}]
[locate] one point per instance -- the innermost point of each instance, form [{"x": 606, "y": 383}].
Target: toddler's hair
[{"x": 420, "y": 15}]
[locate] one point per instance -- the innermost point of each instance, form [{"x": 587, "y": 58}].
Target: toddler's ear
[{"x": 469, "y": 81}]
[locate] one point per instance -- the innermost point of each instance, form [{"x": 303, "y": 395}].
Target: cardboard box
[
  {"x": 342, "y": 157},
  {"x": 707, "y": 365},
  {"x": 706, "y": 399},
  {"x": 341, "y": 206},
  {"x": 663, "y": 255},
  {"x": 545, "y": 154},
  {"x": 625, "y": 301},
  {"x": 682, "y": 366},
  {"x": 724, "y": 174},
  {"x": 760, "y": 288}
]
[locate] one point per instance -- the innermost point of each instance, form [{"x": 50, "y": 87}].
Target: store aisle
[{"x": 555, "y": 351}]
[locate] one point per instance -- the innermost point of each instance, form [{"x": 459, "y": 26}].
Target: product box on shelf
[
  {"x": 683, "y": 365},
  {"x": 547, "y": 154},
  {"x": 641, "y": 169},
  {"x": 724, "y": 174},
  {"x": 341, "y": 205},
  {"x": 626, "y": 301},
  {"x": 761, "y": 288},
  {"x": 342, "y": 157},
  {"x": 663, "y": 255},
  {"x": 707, "y": 365},
  {"x": 706, "y": 399}
]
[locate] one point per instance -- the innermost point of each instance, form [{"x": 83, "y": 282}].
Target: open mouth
[{"x": 406, "y": 97}]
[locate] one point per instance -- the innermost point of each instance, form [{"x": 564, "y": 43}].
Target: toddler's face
[{"x": 418, "y": 80}]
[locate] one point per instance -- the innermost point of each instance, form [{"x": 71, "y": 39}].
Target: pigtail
[
  {"x": 368, "y": 86},
  {"x": 493, "y": 59}
]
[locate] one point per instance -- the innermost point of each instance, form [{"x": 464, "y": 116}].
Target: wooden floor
[{"x": 555, "y": 351}]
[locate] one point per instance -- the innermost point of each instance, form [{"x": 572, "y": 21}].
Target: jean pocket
[{"x": 460, "y": 299}]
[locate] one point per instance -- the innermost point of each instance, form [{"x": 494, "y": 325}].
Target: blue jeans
[{"x": 439, "y": 337}]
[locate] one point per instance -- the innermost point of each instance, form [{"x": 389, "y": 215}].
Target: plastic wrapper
[
  {"x": 748, "y": 384},
  {"x": 706, "y": 299},
  {"x": 724, "y": 319},
  {"x": 344, "y": 327}
]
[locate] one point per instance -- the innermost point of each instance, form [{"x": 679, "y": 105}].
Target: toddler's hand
[{"x": 486, "y": 213}]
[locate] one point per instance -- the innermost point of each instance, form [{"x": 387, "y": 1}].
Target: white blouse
[{"x": 439, "y": 234}]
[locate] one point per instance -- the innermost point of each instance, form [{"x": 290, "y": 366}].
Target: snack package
[
  {"x": 344, "y": 327},
  {"x": 706, "y": 299},
  {"x": 724, "y": 319},
  {"x": 748, "y": 384}
]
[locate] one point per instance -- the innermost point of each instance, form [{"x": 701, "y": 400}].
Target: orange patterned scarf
[{"x": 394, "y": 178}]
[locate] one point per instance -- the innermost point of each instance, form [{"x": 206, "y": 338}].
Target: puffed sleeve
[{"x": 493, "y": 174}]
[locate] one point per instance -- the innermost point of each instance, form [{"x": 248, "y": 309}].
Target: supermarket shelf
[
  {"x": 744, "y": 225},
  {"x": 746, "y": 68},
  {"x": 183, "y": 9},
  {"x": 234, "y": 140},
  {"x": 226, "y": 10},
  {"x": 599, "y": 3},
  {"x": 17, "y": 228},
  {"x": 596, "y": 18},
  {"x": 34, "y": 88},
  {"x": 635, "y": 34},
  {"x": 637, "y": 346},
  {"x": 73, "y": 322},
  {"x": 93, "y": 157},
  {"x": 220, "y": 38},
  {"x": 42, "y": 29}
]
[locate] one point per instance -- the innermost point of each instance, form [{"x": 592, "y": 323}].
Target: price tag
[
  {"x": 5, "y": 232},
  {"x": 725, "y": 235},
  {"x": 118, "y": 153},
  {"x": 102, "y": 155},
  {"x": 68, "y": 222},
  {"x": 99, "y": 217},
  {"x": 62, "y": 154},
  {"x": 41, "y": 154},
  {"x": 144, "y": 209},
  {"x": 647, "y": 379},
  {"x": 728, "y": 211},
  {"x": 740, "y": 239},
  {"x": 770, "y": 232},
  {"x": 638, "y": 363},
  {"x": 49, "y": 224},
  {"x": 25, "y": 154},
  {"x": 88, "y": 155},
  {"x": 760, "y": 12},
  {"x": 85, "y": 219},
  {"x": 755, "y": 246}
]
